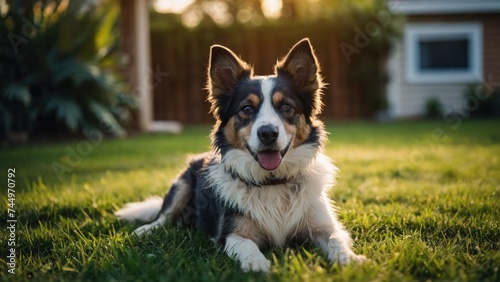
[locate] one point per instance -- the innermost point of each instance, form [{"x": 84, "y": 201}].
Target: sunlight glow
[
  {"x": 171, "y": 6},
  {"x": 218, "y": 11},
  {"x": 192, "y": 14},
  {"x": 192, "y": 17},
  {"x": 3, "y": 7},
  {"x": 244, "y": 15},
  {"x": 272, "y": 8}
]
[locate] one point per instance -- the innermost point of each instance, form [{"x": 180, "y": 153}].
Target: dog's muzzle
[{"x": 269, "y": 155}]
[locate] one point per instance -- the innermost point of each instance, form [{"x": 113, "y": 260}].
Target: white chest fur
[{"x": 280, "y": 211}]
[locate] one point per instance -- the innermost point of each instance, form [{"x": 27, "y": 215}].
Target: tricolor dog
[{"x": 266, "y": 180}]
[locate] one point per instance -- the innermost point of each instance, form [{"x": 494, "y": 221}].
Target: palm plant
[{"x": 58, "y": 70}]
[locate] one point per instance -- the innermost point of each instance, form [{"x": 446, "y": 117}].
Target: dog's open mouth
[{"x": 269, "y": 159}]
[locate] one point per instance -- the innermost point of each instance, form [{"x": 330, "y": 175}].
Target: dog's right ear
[{"x": 225, "y": 69}]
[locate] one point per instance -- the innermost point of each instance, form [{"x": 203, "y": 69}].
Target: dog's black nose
[{"x": 268, "y": 134}]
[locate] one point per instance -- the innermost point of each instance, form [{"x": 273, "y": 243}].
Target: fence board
[{"x": 183, "y": 54}]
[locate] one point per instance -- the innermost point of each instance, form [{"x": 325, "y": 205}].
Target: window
[
  {"x": 443, "y": 53},
  {"x": 436, "y": 54}
]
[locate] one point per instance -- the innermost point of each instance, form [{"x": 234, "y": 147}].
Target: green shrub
[
  {"x": 433, "y": 108},
  {"x": 58, "y": 70},
  {"x": 483, "y": 101}
]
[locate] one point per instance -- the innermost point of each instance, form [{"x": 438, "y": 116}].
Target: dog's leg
[
  {"x": 247, "y": 253},
  {"x": 175, "y": 200},
  {"x": 146, "y": 210},
  {"x": 330, "y": 235},
  {"x": 148, "y": 228},
  {"x": 337, "y": 246}
]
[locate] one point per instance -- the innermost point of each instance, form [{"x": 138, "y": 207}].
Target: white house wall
[{"x": 408, "y": 100}]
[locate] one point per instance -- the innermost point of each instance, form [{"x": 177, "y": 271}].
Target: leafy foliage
[
  {"x": 483, "y": 100},
  {"x": 58, "y": 69}
]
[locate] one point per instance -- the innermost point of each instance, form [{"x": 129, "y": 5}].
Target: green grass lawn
[{"x": 421, "y": 199}]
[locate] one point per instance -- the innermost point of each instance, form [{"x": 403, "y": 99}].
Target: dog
[{"x": 266, "y": 180}]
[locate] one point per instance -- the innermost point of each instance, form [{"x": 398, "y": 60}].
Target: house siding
[
  {"x": 491, "y": 34},
  {"x": 409, "y": 99}
]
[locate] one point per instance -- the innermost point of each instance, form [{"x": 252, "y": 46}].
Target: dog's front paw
[
  {"x": 345, "y": 257},
  {"x": 143, "y": 230},
  {"x": 255, "y": 262}
]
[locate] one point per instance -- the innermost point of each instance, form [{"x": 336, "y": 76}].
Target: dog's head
[{"x": 265, "y": 117}]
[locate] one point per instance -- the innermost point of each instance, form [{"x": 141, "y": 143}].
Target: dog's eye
[
  {"x": 286, "y": 109},
  {"x": 247, "y": 110}
]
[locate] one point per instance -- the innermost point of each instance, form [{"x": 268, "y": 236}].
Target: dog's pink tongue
[{"x": 269, "y": 160}]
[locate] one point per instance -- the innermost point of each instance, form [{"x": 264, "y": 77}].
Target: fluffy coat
[{"x": 266, "y": 180}]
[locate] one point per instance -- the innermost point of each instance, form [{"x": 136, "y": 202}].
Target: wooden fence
[{"x": 183, "y": 54}]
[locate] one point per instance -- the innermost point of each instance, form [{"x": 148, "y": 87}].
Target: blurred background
[{"x": 122, "y": 66}]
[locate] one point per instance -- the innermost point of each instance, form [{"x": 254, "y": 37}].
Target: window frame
[{"x": 414, "y": 32}]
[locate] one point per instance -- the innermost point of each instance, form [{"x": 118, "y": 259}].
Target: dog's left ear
[{"x": 302, "y": 67}]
